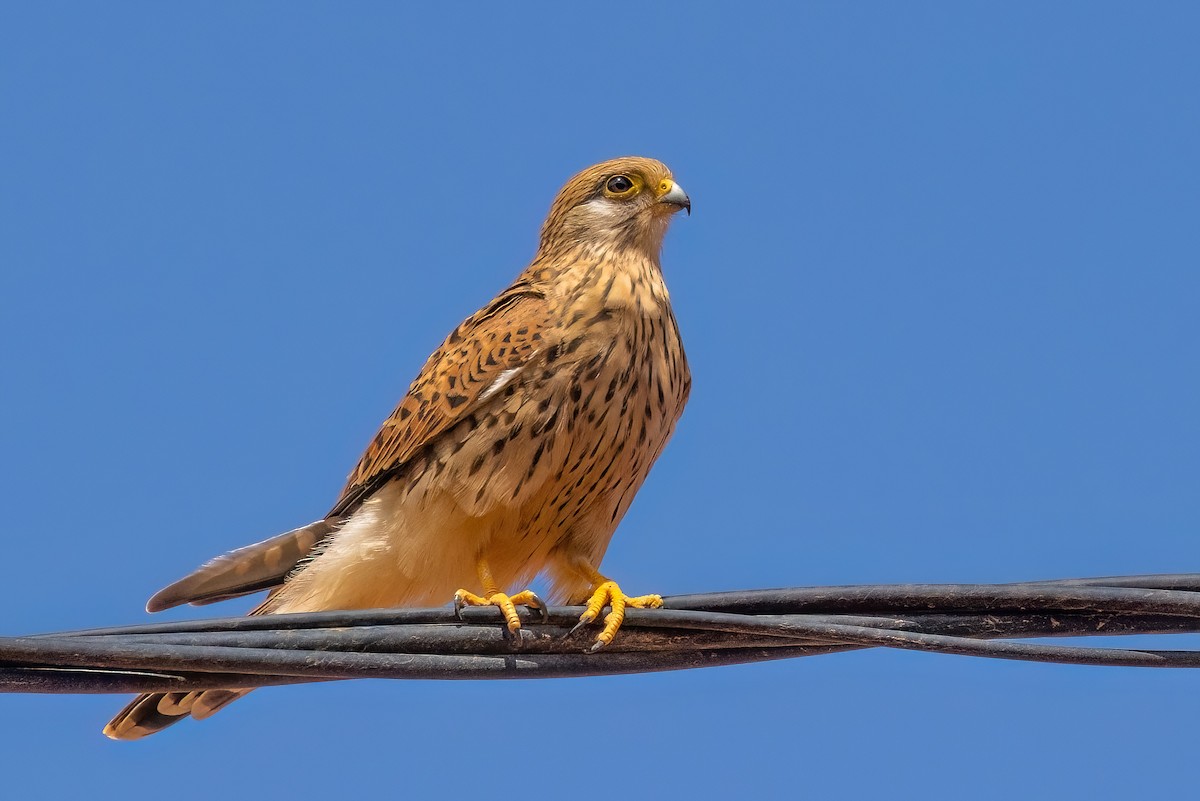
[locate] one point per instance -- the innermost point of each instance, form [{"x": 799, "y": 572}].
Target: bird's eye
[{"x": 619, "y": 185}]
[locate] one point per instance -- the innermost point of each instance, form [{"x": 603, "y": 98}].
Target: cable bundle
[{"x": 689, "y": 631}]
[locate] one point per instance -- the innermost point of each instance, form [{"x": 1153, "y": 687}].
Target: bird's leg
[
  {"x": 493, "y": 596},
  {"x": 605, "y": 592}
]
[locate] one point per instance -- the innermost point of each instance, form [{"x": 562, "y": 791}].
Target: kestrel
[{"x": 515, "y": 452}]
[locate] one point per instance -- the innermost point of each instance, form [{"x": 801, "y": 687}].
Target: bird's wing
[
  {"x": 246, "y": 570},
  {"x": 476, "y": 361}
]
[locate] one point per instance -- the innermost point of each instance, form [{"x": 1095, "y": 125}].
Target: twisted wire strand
[{"x": 705, "y": 630}]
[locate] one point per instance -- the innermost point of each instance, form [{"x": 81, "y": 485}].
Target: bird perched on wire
[{"x": 515, "y": 452}]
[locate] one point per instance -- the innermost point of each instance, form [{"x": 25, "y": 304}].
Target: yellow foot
[
  {"x": 609, "y": 594},
  {"x": 508, "y": 605}
]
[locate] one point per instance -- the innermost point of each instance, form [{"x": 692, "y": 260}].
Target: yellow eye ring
[{"x": 622, "y": 186}]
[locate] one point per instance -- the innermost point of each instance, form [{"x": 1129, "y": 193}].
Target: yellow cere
[{"x": 664, "y": 186}]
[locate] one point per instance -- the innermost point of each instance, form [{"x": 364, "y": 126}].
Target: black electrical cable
[{"x": 690, "y": 631}]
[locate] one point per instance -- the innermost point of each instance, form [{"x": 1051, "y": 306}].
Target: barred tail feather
[{"x": 152, "y": 712}]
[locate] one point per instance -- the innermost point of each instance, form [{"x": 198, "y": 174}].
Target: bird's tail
[
  {"x": 153, "y": 712},
  {"x": 264, "y": 565}
]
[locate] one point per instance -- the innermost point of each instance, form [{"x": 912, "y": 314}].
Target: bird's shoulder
[{"x": 474, "y": 362}]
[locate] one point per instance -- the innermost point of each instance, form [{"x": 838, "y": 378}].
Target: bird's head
[{"x": 626, "y": 202}]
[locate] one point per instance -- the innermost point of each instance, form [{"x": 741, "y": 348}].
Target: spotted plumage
[{"x": 515, "y": 452}]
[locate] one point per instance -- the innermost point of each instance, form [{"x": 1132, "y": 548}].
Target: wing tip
[
  {"x": 159, "y": 602},
  {"x": 226, "y": 576}
]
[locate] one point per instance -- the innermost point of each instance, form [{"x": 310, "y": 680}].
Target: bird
[{"x": 515, "y": 452}]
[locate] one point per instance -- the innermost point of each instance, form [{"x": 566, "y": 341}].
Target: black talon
[
  {"x": 540, "y": 606},
  {"x": 458, "y": 607},
  {"x": 598, "y": 646},
  {"x": 578, "y": 626},
  {"x": 516, "y": 639}
]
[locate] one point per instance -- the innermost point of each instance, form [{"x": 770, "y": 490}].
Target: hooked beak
[{"x": 672, "y": 193}]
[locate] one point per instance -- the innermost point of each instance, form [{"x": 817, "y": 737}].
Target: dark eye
[{"x": 619, "y": 184}]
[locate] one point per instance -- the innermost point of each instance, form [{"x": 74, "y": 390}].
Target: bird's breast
[{"x": 601, "y": 411}]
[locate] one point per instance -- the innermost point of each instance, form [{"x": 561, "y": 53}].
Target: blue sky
[{"x": 939, "y": 292}]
